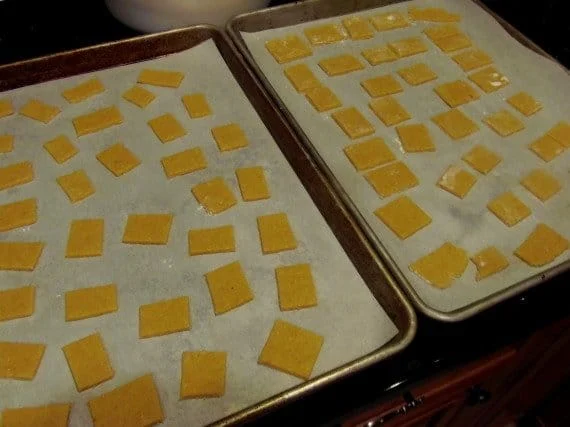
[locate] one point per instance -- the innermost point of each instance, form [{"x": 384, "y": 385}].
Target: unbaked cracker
[
  {"x": 88, "y": 362},
  {"x": 291, "y": 349},
  {"x": 164, "y": 317},
  {"x": 136, "y": 403}
]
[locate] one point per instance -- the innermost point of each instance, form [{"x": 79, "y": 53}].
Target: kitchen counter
[{"x": 29, "y": 29}]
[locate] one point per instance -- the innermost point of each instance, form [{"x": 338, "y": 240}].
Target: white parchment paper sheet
[
  {"x": 466, "y": 222},
  {"x": 348, "y": 316}
]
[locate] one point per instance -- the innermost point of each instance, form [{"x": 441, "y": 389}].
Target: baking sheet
[
  {"x": 467, "y": 223},
  {"x": 146, "y": 274}
]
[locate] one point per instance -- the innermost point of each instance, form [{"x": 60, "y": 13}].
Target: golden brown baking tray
[
  {"x": 354, "y": 243},
  {"x": 311, "y": 10}
]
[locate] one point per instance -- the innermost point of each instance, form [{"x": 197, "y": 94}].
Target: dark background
[{"x": 36, "y": 28}]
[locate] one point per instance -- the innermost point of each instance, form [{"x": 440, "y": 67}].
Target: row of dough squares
[
  {"x": 86, "y": 236},
  {"x": 214, "y": 195},
  {"x": 359, "y": 28},
  {"x": 444, "y": 265},
  {"x": 228, "y": 286},
  {"x": 288, "y": 348}
]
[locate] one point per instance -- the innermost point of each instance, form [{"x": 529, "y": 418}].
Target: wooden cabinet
[{"x": 530, "y": 379}]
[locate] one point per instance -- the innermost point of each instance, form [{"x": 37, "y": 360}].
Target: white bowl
[{"x": 159, "y": 15}]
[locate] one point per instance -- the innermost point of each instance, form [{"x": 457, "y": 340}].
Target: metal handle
[{"x": 411, "y": 403}]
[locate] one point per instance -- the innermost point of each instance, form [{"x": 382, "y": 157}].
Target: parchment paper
[
  {"x": 146, "y": 274},
  {"x": 467, "y": 223}
]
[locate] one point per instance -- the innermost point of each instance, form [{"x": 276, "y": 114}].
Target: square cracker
[
  {"x": 404, "y": 217},
  {"x": 369, "y": 154},
  {"x": 417, "y": 74},
  {"x": 83, "y": 91},
  {"x": 291, "y": 349},
  {"x": 196, "y": 105},
  {"x": 184, "y": 162},
  {"x": 61, "y": 149},
  {"x": 436, "y": 32},
  {"x": 20, "y": 361},
  {"x": 214, "y": 195},
  {"x": 324, "y": 34},
  {"x": 542, "y": 246},
  {"x": 162, "y": 78},
  {"x": 295, "y": 287},
  {"x": 457, "y": 181},
  {"x": 408, "y": 47},
  {"x": 389, "y": 110},
  {"x": 97, "y": 120},
  {"x": 482, "y": 159},
  {"x": 164, "y": 317},
  {"x": 524, "y": 103},
  {"x": 489, "y": 79},
  {"x": 16, "y": 174},
  {"x": 228, "y": 287},
  {"x": 546, "y": 147},
  {"x": 133, "y": 404},
  {"x": 301, "y": 77},
  {"x": 381, "y": 86},
  {"x": 472, "y": 59},
  {"x": 118, "y": 159},
  {"x": 322, "y": 98},
  {"x": 40, "y": 111},
  {"x": 453, "y": 43},
  {"x": 503, "y": 123},
  {"x": 340, "y": 64},
  {"x": 509, "y": 209},
  {"x": 85, "y": 238},
  {"x": 389, "y": 21},
  {"x": 379, "y": 55},
  {"x": 76, "y": 185},
  {"x": 20, "y": 256},
  {"x": 167, "y": 128},
  {"x": 441, "y": 267},
  {"x": 203, "y": 374},
  {"x": 88, "y": 362},
  {"x": 211, "y": 240},
  {"x": 229, "y": 137},
  {"x": 90, "y": 302},
  {"x": 489, "y": 261},
  {"x": 561, "y": 133},
  {"x": 415, "y": 138},
  {"x": 54, "y": 415},
  {"x": 139, "y": 96},
  {"x": 541, "y": 184},
  {"x": 148, "y": 229},
  {"x": 275, "y": 233},
  {"x": 353, "y": 123},
  {"x": 18, "y": 214},
  {"x": 288, "y": 49},
  {"x": 456, "y": 93},
  {"x": 455, "y": 124},
  {"x": 6, "y": 108},
  {"x": 16, "y": 303},
  {"x": 391, "y": 179},
  {"x": 252, "y": 183},
  {"x": 432, "y": 14},
  {"x": 358, "y": 28},
  {"x": 6, "y": 144}
]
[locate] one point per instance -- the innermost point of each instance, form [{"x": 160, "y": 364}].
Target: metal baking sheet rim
[
  {"x": 297, "y": 9},
  {"x": 406, "y": 328}
]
